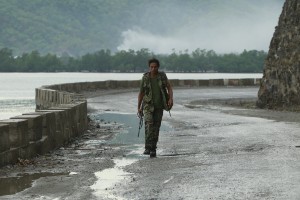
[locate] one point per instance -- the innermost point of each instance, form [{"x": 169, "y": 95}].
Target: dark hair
[{"x": 153, "y": 60}]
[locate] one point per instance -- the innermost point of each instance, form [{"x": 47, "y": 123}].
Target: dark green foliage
[
  {"x": 7, "y": 62},
  {"x": 134, "y": 61},
  {"x": 78, "y": 27},
  {"x": 68, "y": 26}
]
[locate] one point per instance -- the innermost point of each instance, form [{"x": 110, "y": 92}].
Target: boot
[
  {"x": 153, "y": 154},
  {"x": 147, "y": 152}
]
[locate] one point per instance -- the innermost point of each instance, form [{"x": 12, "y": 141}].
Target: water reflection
[
  {"x": 109, "y": 178},
  {"x": 17, "y": 184},
  {"x": 130, "y": 123}
]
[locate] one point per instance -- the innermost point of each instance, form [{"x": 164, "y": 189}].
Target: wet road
[
  {"x": 207, "y": 150},
  {"x": 216, "y": 152}
]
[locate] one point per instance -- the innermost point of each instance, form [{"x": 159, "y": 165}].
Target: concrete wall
[
  {"x": 59, "y": 117},
  {"x": 61, "y": 114}
]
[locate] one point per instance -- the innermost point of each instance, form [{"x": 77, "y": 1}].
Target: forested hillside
[
  {"x": 60, "y": 26},
  {"x": 78, "y": 27}
]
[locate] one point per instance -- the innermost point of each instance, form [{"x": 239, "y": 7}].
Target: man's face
[{"x": 153, "y": 68}]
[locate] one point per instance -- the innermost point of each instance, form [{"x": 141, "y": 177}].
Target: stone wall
[
  {"x": 59, "y": 117},
  {"x": 280, "y": 85},
  {"x": 61, "y": 114}
]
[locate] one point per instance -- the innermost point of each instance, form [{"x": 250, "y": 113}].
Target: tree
[
  {"x": 134, "y": 61},
  {"x": 141, "y": 59},
  {"x": 51, "y": 63},
  {"x": 33, "y": 62},
  {"x": 123, "y": 61},
  {"x": 103, "y": 60},
  {"x": 7, "y": 63}
]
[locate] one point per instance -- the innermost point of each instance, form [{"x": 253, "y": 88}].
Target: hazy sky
[{"x": 230, "y": 28}]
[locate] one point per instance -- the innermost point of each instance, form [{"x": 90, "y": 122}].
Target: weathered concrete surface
[{"x": 212, "y": 151}]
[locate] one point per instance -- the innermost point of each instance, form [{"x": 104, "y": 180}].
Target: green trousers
[{"x": 152, "y": 126}]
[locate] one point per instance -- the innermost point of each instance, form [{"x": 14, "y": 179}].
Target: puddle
[
  {"x": 108, "y": 179},
  {"x": 128, "y": 135},
  {"x": 13, "y": 185},
  {"x": 130, "y": 123},
  {"x": 92, "y": 144}
]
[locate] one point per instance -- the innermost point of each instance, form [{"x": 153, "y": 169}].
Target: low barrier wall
[{"x": 61, "y": 114}]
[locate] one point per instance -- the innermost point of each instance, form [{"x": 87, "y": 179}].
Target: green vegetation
[
  {"x": 79, "y": 27},
  {"x": 76, "y": 35},
  {"x": 133, "y": 61},
  {"x": 56, "y": 26}
]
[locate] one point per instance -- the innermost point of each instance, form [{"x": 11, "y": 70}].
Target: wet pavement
[
  {"x": 216, "y": 145},
  {"x": 22, "y": 181}
]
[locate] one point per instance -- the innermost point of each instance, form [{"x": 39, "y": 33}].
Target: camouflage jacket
[{"x": 162, "y": 82}]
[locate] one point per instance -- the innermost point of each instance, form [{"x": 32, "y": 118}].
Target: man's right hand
[{"x": 140, "y": 113}]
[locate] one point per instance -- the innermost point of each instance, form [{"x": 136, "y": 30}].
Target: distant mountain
[{"x": 77, "y": 27}]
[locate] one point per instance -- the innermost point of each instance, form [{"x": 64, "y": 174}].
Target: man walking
[{"x": 156, "y": 95}]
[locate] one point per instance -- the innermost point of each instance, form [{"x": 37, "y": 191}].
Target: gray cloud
[{"x": 229, "y": 27}]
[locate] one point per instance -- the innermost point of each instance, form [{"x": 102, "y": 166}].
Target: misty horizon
[
  {"x": 231, "y": 28},
  {"x": 162, "y": 26}
]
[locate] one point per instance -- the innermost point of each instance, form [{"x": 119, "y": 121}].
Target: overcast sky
[{"x": 224, "y": 30}]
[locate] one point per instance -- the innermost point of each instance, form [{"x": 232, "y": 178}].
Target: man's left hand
[{"x": 170, "y": 103}]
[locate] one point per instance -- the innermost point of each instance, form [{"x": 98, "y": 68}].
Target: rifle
[
  {"x": 141, "y": 116},
  {"x": 165, "y": 97}
]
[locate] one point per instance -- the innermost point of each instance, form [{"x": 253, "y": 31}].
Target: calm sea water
[{"x": 17, "y": 90}]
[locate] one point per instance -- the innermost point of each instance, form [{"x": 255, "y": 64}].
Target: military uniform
[{"x": 154, "y": 102}]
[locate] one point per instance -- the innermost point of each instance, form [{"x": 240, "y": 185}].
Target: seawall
[{"x": 61, "y": 114}]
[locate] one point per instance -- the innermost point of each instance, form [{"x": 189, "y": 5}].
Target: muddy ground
[
  {"x": 66, "y": 172},
  {"x": 216, "y": 145}
]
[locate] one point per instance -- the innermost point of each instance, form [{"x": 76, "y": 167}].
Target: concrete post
[
  {"x": 4, "y": 137},
  {"x": 35, "y": 126},
  {"x": 18, "y": 132}
]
